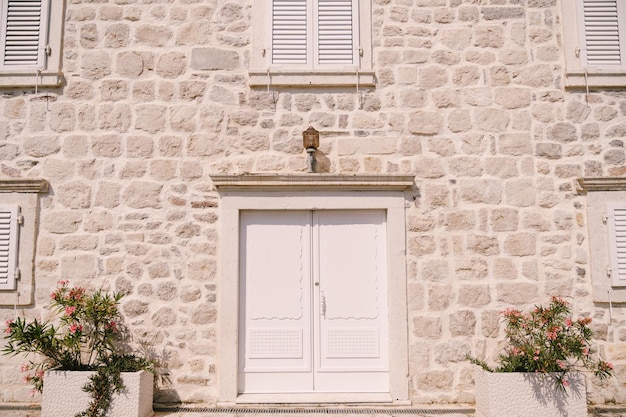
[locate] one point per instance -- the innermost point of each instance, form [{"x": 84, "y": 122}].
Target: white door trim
[{"x": 265, "y": 199}]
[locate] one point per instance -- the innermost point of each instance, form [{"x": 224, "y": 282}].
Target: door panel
[
  {"x": 275, "y": 300},
  {"x": 313, "y": 301},
  {"x": 352, "y": 342}
]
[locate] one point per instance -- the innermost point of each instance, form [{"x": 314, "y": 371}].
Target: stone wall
[{"x": 469, "y": 99}]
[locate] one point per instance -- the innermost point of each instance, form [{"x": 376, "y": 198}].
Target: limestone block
[
  {"x": 439, "y": 297},
  {"x": 520, "y": 192},
  {"x": 38, "y": 146},
  {"x": 150, "y": 117},
  {"x": 549, "y": 150},
  {"x": 517, "y": 293},
  {"x": 484, "y": 245},
  {"x": 142, "y": 194},
  {"x": 425, "y": 123},
  {"x": 562, "y": 132},
  {"x": 488, "y": 36},
  {"x": 481, "y": 191},
  {"x": 466, "y": 166},
  {"x": 520, "y": 244},
  {"x": 422, "y": 245},
  {"x": 79, "y": 266},
  {"x": 433, "y": 77},
  {"x": 152, "y": 35},
  {"x": 502, "y": 13},
  {"x": 427, "y": 327},
  {"x": 134, "y": 308},
  {"x": 491, "y": 119},
  {"x": 462, "y": 323},
  {"x": 129, "y": 64},
  {"x": 471, "y": 295},
  {"x": 89, "y": 36},
  {"x": 74, "y": 195},
  {"x": 110, "y": 90},
  {"x": 540, "y": 75},
  {"x": 195, "y": 33},
  {"x": 117, "y": 36},
  {"x": 513, "y": 97},
  {"x": 96, "y": 64},
  {"x": 171, "y": 64},
  {"x": 214, "y": 59},
  {"x": 204, "y": 314}
]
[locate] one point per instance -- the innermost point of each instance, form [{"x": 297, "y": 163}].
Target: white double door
[{"x": 313, "y": 302}]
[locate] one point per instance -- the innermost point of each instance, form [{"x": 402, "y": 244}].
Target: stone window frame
[
  {"x": 600, "y": 191},
  {"x": 262, "y": 76},
  {"x": 576, "y": 75},
  {"x": 26, "y": 194},
  {"x": 49, "y": 75},
  {"x": 305, "y": 192}
]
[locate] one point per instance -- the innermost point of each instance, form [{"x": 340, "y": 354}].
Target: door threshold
[{"x": 318, "y": 398}]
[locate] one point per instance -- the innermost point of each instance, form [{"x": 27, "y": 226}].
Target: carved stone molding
[
  {"x": 280, "y": 182},
  {"x": 24, "y": 185},
  {"x": 587, "y": 184}
]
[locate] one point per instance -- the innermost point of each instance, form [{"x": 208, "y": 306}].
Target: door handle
[{"x": 322, "y": 304}]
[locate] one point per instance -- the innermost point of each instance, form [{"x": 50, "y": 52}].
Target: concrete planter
[
  {"x": 63, "y": 395},
  {"x": 521, "y": 394}
]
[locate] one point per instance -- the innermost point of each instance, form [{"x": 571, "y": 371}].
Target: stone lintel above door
[{"x": 282, "y": 182}]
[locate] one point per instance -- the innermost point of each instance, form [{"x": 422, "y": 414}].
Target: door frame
[{"x": 312, "y": 192}]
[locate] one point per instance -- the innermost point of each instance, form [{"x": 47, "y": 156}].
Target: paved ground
[{"x": 7, "y": 410}]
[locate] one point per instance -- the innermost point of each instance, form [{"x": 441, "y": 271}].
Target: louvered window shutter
[
  {"x": 337, "y": 40},
  {"x": 616, "y": 222},
  {"x": 290, "y": 37},
  {"x": 24, "y": 34},
  {"x": 604, "y": 29},
  {"x": 315, "y": 34},
  {"x": 9, "y": 230}
]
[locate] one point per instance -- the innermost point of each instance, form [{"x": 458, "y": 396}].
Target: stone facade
[{"x": 469, "y": 99}]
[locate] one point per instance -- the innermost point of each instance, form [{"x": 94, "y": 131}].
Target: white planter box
[
  {"x": 63, "y": 394},
  {"x": 520, "y": 394}
]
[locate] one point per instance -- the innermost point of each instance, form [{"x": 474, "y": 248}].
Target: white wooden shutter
[
  {"x": 336, "y": 22},
  {"x": 616, "y": 222},
  {"x": 290, "y": 38},
  {"x": 604, "y": 24},
  {"x": 315, "y": 34},
  {"x": 23, "y": 35},
  {"x": 9, "y": 235}
]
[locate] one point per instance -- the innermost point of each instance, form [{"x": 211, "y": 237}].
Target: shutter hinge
[
  {"x": 604, "y": 218},
  {"x": 577, "y": 52},
  {"x": 361, "y": 51},
  {"x": 609, "y": 271},
  {"x": 48, "y": 50},
  {"x": 20, "y": 218},
  {"x": 18, "y": 274}
]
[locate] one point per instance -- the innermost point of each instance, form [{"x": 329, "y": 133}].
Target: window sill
[
  {"x": 595, "y": 79},
  {"x": 312, "y": 79},
  {"x": 44, "y": 79}
]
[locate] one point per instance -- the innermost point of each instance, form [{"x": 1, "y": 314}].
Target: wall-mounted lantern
[{"x": 311, "y": 141}]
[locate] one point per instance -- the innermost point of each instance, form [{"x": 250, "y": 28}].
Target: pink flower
[
  {"x": 76, "y": 328},
  {"x": 565, "y": 382},
  {"x": 70, "y": 310},
  {"x": 112, "y": 326},
  {"x": 7, "y": 329},
  {"x": 24, "y": 367}
]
